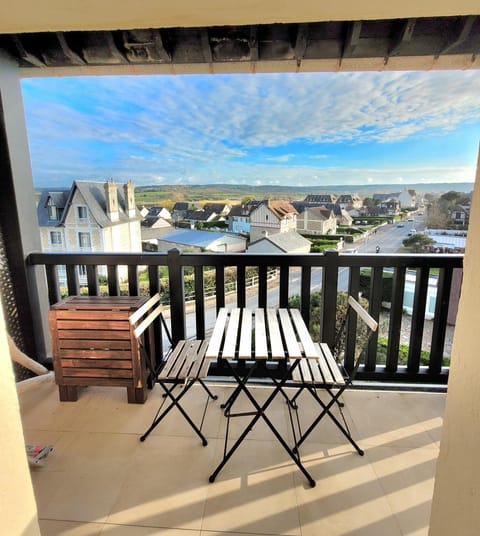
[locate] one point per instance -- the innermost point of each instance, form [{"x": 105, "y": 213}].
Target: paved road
[{"x": 388, "y": 237}]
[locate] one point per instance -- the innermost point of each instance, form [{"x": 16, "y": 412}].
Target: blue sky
[{"x": 309, "y": 129}]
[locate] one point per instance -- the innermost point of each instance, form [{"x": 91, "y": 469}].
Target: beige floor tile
[
  {"x": 347, "y": 499},
  {"x": 407, "y": 478},
  {"x": 86, "y": 452},
  {"x": 41, "y": 410},
  {"x": 385, "y": 418},
  {"x": 50, "y": 527},
  {"x": 130, "y": 530},
  {"x": 254, "y": 492},
  {"x": 166, "y": 484},
  {"x": 428, "y": 409},
  {"x": 76, "y": 496}
]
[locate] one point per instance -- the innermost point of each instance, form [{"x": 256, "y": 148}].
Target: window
[
  {"x": 82, "y": 213},
  {"x": 52, "y": 210},
  {"x": 84, "y": 240},
  {"x": 55, "y": 238}
]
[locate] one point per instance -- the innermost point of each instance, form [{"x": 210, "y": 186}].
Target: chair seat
[
  {"x": 186, "y": 362},
  {"x": 322, "y": 370}
]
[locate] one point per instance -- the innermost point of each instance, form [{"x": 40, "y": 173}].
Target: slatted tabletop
[{"x": 261, "y": 334}]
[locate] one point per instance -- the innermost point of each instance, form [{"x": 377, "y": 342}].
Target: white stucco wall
[
  {"x": 456, "y": 500},
  {"x": 18, "y": 510}
]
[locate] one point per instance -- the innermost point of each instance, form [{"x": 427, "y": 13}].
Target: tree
[{"x": 418, "y": 242}]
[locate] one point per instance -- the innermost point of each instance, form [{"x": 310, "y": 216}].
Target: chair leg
[
  {"x": 326, "y": 411},
  {"x": 175, "y": 403}
]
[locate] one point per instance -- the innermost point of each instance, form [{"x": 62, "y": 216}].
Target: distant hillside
[{"x": 156, "y": 194}]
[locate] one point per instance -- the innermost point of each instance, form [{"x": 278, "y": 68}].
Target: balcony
[{"x": 101, "y": 479}]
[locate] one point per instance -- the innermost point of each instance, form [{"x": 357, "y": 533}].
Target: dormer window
[{"x": 52, "y": 210}]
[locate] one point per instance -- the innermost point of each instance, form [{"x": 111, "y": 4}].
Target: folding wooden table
[{"x": 260, "y": 335}]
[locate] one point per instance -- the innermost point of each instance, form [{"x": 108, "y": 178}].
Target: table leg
[{"x": 260, "y": 413}]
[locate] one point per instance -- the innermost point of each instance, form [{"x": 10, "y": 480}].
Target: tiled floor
[{"x": 101, "y": 479}]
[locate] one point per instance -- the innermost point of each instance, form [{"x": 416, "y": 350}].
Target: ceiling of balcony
[{"x": 336, "y": 41}]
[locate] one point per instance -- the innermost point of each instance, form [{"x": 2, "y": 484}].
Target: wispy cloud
[{"x": 220, "y": 128}]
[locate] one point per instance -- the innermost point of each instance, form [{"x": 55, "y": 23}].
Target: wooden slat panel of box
[{"x": 93, "y": 344}]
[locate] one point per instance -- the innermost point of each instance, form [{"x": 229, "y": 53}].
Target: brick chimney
[
  {"x": 111, "y": 198},
  {"x": 129, "y": 193}
]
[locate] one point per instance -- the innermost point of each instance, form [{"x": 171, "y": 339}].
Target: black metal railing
[{"x": 297, "y": 274}]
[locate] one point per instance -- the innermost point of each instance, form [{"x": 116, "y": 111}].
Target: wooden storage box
[{"x": 94, "y": 344}]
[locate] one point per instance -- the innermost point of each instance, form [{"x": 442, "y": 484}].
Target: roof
[
  {"x": 287, "y": 242},
  {"x": 319, "y": 198},
  {"x": 200, "y": 239},
  {"x": 94, "y": 195},
  {"x": 180, "y": 206},
  {"x": 59, "y": 197},
  {"x": 215, "y": 207},
  {"x": 322, "y": 213},
  {"x": 282, "y": 209}
]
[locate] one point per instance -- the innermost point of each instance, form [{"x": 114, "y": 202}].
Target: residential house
[
  {"x": 349, "y": 201},
  {"x": 193, "y": 240},
  {"x": 317, "y": 221},
  {"x": 199, "y": 216},
  {"x": 459, "y": 215},
  {"x": 389, "y": 207},
  {"x": 239, "y": 217},
  {"x": 90, "y": 217},
  {"x": 272, "y": 217},
  {"x": 407, "y": 198},
  {"x": 159, "y": 212},
  {"x": 221, "y": 209},
  {"x": 288, "y": 242},
  {"x": 179, "y": 210}
]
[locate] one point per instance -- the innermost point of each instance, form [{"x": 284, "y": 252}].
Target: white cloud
[{"x": 187, "y": 127}]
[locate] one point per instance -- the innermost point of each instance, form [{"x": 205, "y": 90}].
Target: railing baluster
[
  {"x": 153, "y": 282},
  {"x": 375, "y": 302},
  {"x": 262, "y": 285},
  {"x": 199, "y": 303},
  {"x": 54, "y": 294},
  {"x": 395, "y": 324},
  {"x": 241, "y": 287},
  {"x": 220, "y": 286},
  {"x": 72, "y": 280},
  {"x": 92, "y": 280},
  {"x": 353, "y": 290},
  {"x": 444, "y": 286},
  {"x": 113, "y": 283},
  {"x": 418, "y": 319},
  {"x": 283, "y": 294},
  {"x": 177, "y": 295},
  {"x": 133, "y": 280},
  {"x": 329, "y": 297},
  {"x": 305, "y": 293}
]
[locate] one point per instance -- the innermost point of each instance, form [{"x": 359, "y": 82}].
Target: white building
[{"x": 90, "y": 217}]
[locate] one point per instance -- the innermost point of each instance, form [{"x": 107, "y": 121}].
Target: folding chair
[
  {"x": 182, "y": 365},
  {"x": 328, "y": 373}
]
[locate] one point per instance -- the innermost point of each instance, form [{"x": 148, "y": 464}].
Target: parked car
[
  {"x": 350, "y": 251},
  {"x": 412, "y": 232}
]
